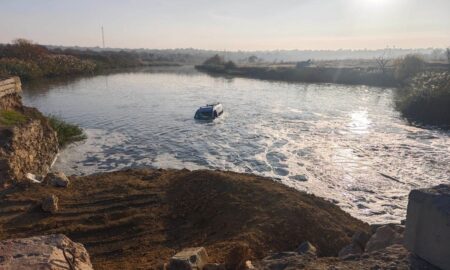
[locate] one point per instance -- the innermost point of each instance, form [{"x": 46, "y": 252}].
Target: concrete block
[
  {"x": 189, "y": 259},
  {"x": 427, "y": 232}
]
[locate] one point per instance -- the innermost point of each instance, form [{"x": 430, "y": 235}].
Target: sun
[{"x": 376, "y": 2}]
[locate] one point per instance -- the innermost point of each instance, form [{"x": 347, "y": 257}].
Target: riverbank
[
  {"x": 139, "y": 218},
  {"x": 32, "y": 61},
  {"x": 339, "y": 75}
]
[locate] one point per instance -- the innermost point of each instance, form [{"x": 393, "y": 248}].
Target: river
[{"x": 345, "y": 143}]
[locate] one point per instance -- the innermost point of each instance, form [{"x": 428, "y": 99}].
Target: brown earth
[
  {"x": 391, "y": 257},
  {"x": 137, "y": 219},
  {"x": 28, "y": 147}
]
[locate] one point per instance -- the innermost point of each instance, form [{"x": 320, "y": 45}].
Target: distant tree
[
  {"x": 382, "y": 62},
  {"x": 253, "y": 59},
  {"x": 408, "y": 67},
  {"x": 437, "y": 54},
  {"x": 230, "y": 65},
  {"x": 26, "y": 50},
  {"x": 216, "y": 60},
  {"x": 447, "y": 52}
]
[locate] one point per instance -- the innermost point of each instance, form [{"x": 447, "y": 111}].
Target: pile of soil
[{"x": 138, "y": 219}]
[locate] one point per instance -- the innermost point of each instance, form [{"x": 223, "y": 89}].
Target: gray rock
[
  {"x": 50, "y": 204},
  {"x": 44, "y": 252},
  {"x": 300, "y": 177},
  {"x": 57, "y": 179},
  {"x": 352, "y": 249},
  {"x": 189, "y": 259},
  {"x": 360, "y": 239},
  {"x": 385, "y": 236},
  {"x": 307, "y": 248},
  {"x": 427, "y": 231}
]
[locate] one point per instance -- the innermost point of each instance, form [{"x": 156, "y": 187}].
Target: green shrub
[
  {"x": 11, "y": 118},
  {"x": 427, "y": 99},
  {"x": 408, "y": 67},
  {"x": 67, "y": 133}
]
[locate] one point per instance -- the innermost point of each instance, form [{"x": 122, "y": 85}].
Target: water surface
[{"x": 344, "y": 143}]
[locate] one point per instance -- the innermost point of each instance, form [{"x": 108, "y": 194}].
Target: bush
[
  {"x": 408, "y": 67},
  {"x": 63, "y": 65},
  {"x": 16, "y": 67},
  {"x": 216, "y": 60},
  {"x": 29, "y": 61},
  {"x": 23, "y": 49},
  {"x": 230, "y": 65},
  {"x": 67, "y": 133},
  {"x": 427, "y": 99},
  {"x": 11, "y": 118}
]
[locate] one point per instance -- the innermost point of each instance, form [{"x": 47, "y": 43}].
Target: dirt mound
[{"x": 137, "y": 219}]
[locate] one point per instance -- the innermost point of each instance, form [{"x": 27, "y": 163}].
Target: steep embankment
[
  {"x": 27, "y": 142},
  {"x": 137, "y": 219}
]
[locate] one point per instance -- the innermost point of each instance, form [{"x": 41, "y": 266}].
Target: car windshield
[{"x": 204, "y": 114}]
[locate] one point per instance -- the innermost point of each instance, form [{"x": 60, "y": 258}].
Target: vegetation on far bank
[
  {"x": 67, "y": 133},
  {"x": 426, "y": 99},
  {"x": 423, "y": 95},
  {"x": 306, "y": 71},
  {"x": 28, "y": 60}
]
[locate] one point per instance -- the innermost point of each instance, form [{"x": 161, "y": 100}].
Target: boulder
[
  {"x": 352, "y": 249},
  {"x": 43, "y": 252},
  {"x": 427, "y": 232},
  {"x": 57, "y": 179},
  {"x": 238, "y": 256},
  {"x": 307, "y": 248},
  {"x": 360, "y": 238},
  {"x": 385, "y": 236},
  {"x": 50, "y": 204},
  {"x": 189, "y": 259}
]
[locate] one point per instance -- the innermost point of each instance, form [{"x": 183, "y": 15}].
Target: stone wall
[
  {"x": 28, "y": 147},
  {"x": 10, "y": 93}
]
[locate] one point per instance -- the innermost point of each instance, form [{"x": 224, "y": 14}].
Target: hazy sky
[{"x": 229, "y": 24}]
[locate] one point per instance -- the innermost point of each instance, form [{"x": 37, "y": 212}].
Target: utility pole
[{"x": 103, "y": 38}]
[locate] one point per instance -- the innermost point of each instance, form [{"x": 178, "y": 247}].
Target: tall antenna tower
[{"x": 103, "y": 38}]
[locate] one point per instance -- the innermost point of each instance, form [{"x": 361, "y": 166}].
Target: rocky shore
[
  {"x": 28, "y": 145},
  {"x": 140, "y": 218}
]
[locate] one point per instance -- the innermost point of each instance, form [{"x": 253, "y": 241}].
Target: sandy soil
[{"x": 137, "y": 219}]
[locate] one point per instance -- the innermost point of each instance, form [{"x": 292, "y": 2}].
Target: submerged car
[{"x": 209, "y": 112}]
